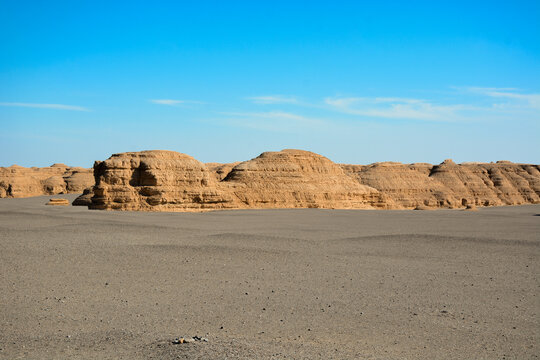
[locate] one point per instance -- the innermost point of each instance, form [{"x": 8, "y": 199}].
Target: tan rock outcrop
[
  {"x": 85, "y": 199},
  {"x": 17, "y": 181},
  {"x": 408, "y": 186},
  {"x": 156, "y": 181},
  {"x": 451, "y": 185},
  {"x": 170, "y": 181},
  {"x": 77, "y": 179},
  {"x": 220, "y": 171},
  {"x": 58, "y": 202},
  {"x": 297, "y": 178}
]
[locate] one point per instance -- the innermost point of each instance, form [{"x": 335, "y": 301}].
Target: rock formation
[
  {"x": 156, "y": 181},
  {"x": 58, "y": 202},
  {"x": 220, "y": 171},
  {"x": 85, "y": 199},
  {"x": 449, "y": 185},
  {"x": 169, "y": 181},
  {"x": 17, "y": 181},
  {"x": 296, "y": 178}
]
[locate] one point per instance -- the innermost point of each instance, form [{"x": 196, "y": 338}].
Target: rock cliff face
[
  {"x": 17, "y": 181},
  {"x": 169, "y": 181},
  {"x": 296, "y": 178},
  {"x": 156, "y": 181},
  {"x": 449, "y": 185}
]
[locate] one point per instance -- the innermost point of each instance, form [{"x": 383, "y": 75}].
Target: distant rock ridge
[
  {"x": 451, "y": 185},
  {"x": 17, "y": 181},
  {"x": 168, "y": 181},
  {"x": 161, "y": 180}
]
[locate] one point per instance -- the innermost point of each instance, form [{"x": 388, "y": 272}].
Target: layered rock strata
[
  {"x": 156, "y": 181},
  {"x": 220, "y": 171},
  {"x": 17, "y": 181},
  {"x": 451, "y": 185},
  {"x": 169, "y": 181},
  {"x": 58, "y": 202},
  {"x": 296, "y": 178}
]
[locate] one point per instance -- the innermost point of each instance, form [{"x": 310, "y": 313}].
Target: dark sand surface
[{"x": 269, "y": 284}]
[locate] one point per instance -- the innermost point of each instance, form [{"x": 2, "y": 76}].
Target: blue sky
[{"x": 356, "y": 81}]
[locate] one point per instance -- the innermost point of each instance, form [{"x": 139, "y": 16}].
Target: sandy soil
[{"x": 270, "y": 284}]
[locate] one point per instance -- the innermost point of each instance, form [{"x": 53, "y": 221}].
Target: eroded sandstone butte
[
  {"x": 170, "y": 181},
  {"x": 156, "y": 181},
  {"x": 450, "y": 185},
  {"x": 297, "y": 178},
  {"x": 17, "y": 181}
]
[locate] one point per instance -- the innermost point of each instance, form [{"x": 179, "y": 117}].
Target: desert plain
[{"x": 268, "y": 284}]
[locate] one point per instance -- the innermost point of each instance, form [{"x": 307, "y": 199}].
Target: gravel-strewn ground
[{"x": 268, "y": 284}]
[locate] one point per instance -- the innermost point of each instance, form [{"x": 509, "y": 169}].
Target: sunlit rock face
[
  {"x": 156, "y": 181},
  {"x": 451, "y": 185},
  {"x": 170, "y": 181},
  {"x": 296, "y": 178},
  {"x": 18, "y": 182}
]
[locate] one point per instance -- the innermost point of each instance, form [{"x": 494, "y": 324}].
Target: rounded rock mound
[
  {"x": 58, "y": 202},
  {"x": 18, "y": 182},
  {"x": 155, "y": 180},
  {"x": 298, "y": 179}
]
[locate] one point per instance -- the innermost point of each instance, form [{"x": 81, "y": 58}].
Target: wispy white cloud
[
  {"x": 45, "y": 106},
  {"x": 273, "y": 120},
  {"x": 268, "y": 115},
  {"x": 483, "y": 89},
  {"x": 396, "y": 108},
  {"x": 171, "y": 102},
  {"x": 530, "y": 100},
  {"x": 494, "y": 103},
  {"x": 273, "y": 99}
]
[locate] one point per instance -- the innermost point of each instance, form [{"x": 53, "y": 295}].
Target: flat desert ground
[{"x": 269, "y": 284}]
